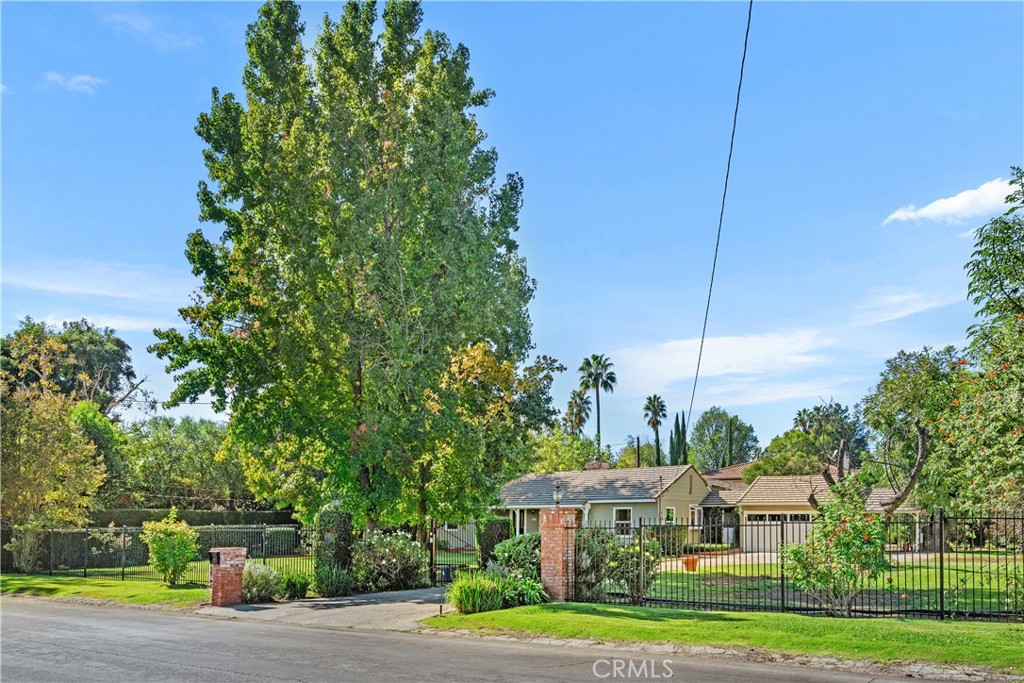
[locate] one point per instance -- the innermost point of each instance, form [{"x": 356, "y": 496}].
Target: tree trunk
[
  {"x": 922, "y": 457},
  {"x": 597, "y": 396}
]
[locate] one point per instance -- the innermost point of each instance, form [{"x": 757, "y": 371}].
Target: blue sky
[{"x": 873, "y": 137}]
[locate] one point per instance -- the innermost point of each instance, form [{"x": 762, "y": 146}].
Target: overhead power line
[{"x": 721, "y": 212}]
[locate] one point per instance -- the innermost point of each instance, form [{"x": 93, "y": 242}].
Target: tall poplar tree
[{"x": 363, "y": 313}]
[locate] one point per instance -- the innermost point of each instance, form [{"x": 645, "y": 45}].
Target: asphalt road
[{"x": 51, "y": 641}]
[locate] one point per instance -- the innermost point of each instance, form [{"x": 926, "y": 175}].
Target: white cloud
[
  {"x": 83, "y": 83},
  {"x": 987, "y": 199},
  {"x": 885, "y": 305},
  {"x": 146, "y": 29},
  {"x": 758, "y": 390},
  {"x": 655, "y": 368},
  {"x": 150, "y": 284}
]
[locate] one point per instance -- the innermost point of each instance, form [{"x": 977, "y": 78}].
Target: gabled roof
[
  {"x": 722, "y": 497},
  {"x": 593, "y": 486},
  {"x": 783, "y": 490}
]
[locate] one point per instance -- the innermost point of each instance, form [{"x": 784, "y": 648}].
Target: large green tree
[
  {"x": 654, "y": 413},
  {"x": 558, "y": 451},
  {"x": 95, "y": 364},
  {"x": 596, "y": 373},
  {"x": 50, "y": 469},
  {"x": 795, "y": 452},
  {"x": 366, "y": 246},
  {"x": 719, "y": 439}
]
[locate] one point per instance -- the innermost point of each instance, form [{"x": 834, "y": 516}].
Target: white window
[
  {"x": 696, "y": 516},
  {"x": 451, "y": 526},
  {"x": 670, "y": 515},
  {"x": 804, "y": 517},
  {"x": 777, "y": 518},
  {"x": 623, "y": 521},
  {"x": 756, "y": 518}
]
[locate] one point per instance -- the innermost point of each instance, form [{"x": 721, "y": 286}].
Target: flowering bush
[
  {"x": 595, "y": 550},
  {"x": 260, "y": 583},
  {"x": 844, "y": 550},
  {"x": 521, "y": 553},
  {"x": 172, "y": 545},
  {"x": 388, "y": 562},
  {"x": 637, "y": 569}
]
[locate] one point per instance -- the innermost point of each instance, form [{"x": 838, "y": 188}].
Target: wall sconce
[{"x": 557, "y": 495}]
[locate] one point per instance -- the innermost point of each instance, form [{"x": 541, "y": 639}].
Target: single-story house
[{"x": 617, "y": 498}]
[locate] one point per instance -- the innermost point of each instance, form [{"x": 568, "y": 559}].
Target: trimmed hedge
[{"x": 135, "y": 517}]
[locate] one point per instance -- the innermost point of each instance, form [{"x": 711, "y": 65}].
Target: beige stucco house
[{"x": 617, "y": 498}]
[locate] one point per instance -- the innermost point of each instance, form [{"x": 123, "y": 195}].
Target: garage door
[{"x": 764, "y": 532}]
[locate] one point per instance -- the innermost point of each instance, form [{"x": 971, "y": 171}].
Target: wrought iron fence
[
  {"x": 120, "y": 553},
  {"x": 939, "y": 566}
]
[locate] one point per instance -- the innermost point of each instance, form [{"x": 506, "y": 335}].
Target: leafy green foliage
[
  {"x": 93, "y": 363},
  {"x": 260, "y": 583},
  {"x": 474, "y": 591},
  {"x": 518, "y": 590},
  {"x": 50, "y": 469},
  {"x": 295, "y": 585},
  {"x": 135, "y": 517},
  {"x": 388, "y": 562},
  {"x": 843, "y": 552},
  {"x": 182, "y": 463},
  {"x": 172, "y": 545},
  {"x": 491, "y": 531},
  {"x": 626, "y": 457},
  {"x": 558, "y": 451},
  {"x": 795, "y": 452},
  {"x": 366, "y": 251},
  {"x": 330, "y": 581},
  {"x": 595, "y": 550},
  {"x": 635, "y": 565},
  {"x": 577, "y": 412},
  {"x": 719, "y": 439},
  {"x": 332, "y": 545},
  {"x": 678, "y": 447},
  {"x": 520, "y": 554}
]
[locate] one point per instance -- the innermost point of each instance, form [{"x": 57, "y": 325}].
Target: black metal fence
[
  {"x": 120, "y": 553},
  {"x": 937, "y": 566}
]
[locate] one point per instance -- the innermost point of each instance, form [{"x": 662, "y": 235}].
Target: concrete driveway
[{"x": 395, "y": 611}]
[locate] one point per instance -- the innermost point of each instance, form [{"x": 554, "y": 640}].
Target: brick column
[
  {"x": 226, "y": 577},
  {"x": 557, "y": 551}
]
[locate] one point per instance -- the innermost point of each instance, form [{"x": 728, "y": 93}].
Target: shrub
[
  {"x": 260, "y": 583},
  {"x": 595, "y": 551},
  {"x": 473, "y": 592},
  {"x": 518, "y": 590},
  {"x": 520, "y": 554},
  {"x": 334, "y": 539},
  {"x": 295, "y": 585},
  {"x": 172, "y": 545},
  {"x": 331, "y": 581},
  {"x": 489, "y": 533},
  {"x": 388, "y": 562},
  {"x": 634, "y": 569},
  {"x": 844, "y": 550}
]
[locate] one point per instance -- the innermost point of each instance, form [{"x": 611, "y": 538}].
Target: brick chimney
[{"x": 596, "y": 465}]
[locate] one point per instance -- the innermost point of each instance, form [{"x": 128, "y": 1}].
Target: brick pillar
[
  {"x": 226, "y": 577},
  {"x": 557, "y": 551}
]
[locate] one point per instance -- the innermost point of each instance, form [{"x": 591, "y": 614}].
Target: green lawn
[
  {"x": 994, "y": 645},
  {"x": 131, "y": 592}
]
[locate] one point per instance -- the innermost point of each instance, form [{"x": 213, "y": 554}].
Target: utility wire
[{"x": 721, "y": 213}]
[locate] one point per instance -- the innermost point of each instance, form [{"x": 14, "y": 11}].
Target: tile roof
[
  {"x": 634, "y": 483},
  {"x": 730, "y": 472},
  {"x": 878, "y": 497},
  {"x": 786, "y": 489},
  {"x": 722, "y": 497}
]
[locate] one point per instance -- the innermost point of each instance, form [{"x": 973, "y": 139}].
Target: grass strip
[
  {"x": 998, "y": 646},
  {"x": 130, "y": 592}
]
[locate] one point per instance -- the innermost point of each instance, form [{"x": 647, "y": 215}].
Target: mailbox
[{"x": 214, "y": 557}]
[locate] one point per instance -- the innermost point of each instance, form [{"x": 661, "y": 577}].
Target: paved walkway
[{"x": 396, "y": 611}]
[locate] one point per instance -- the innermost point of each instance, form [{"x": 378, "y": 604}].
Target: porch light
[{"x": 557, "y": 495}]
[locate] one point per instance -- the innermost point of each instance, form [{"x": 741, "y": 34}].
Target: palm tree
[
  {"x": 654, "y": 413},
  {"x": 596, "y": 373},
  {"x": 577, "y": 412},
  {"x": 803, "y": 420}
]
